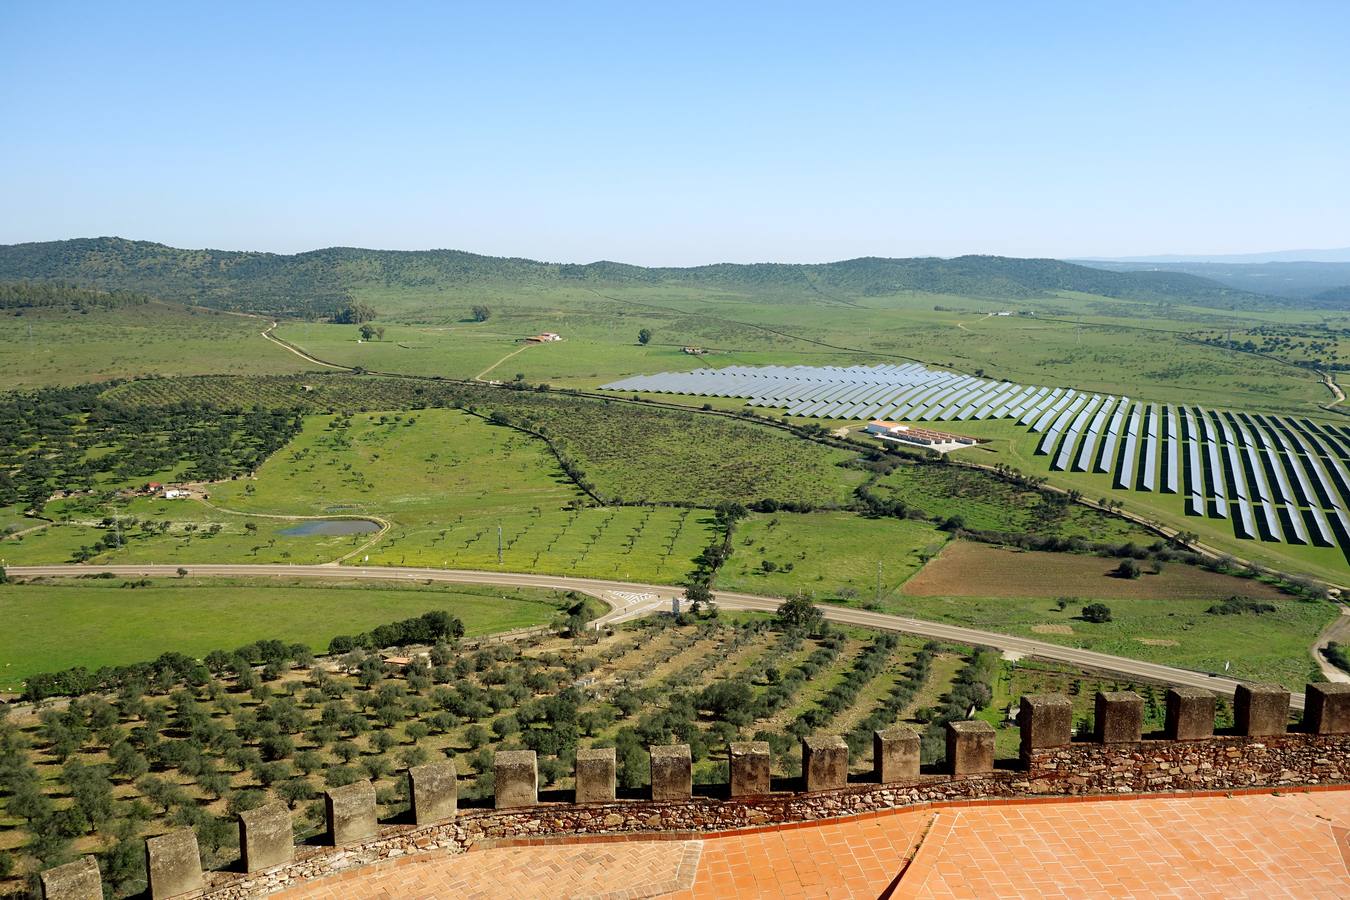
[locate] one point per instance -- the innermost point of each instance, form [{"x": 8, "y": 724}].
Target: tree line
[{"x": 21, "y": 295}]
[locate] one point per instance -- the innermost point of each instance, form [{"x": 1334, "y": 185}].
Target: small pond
[{"x": 329, "y": 527}]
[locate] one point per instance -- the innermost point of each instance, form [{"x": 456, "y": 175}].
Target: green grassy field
[
  {"x": 12, "y": 519},
  {"x": 1270, "y": 647},
  {"x": 98, "y": 622},
  {"x": 826, "y": 554},
  {"x": 451, "y": 351},
  {"x": 64, "y": 347}
]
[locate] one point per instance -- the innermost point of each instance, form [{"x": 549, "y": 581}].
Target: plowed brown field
[{"x": 966, "y": 569}]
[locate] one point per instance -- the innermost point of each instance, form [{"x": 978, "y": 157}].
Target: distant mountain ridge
[
  {"x": 1317, "y": 284},
  {"x": 1329, "y": 255},
  {"x": 316, "y": 283}
]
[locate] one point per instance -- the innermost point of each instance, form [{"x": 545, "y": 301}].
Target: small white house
[{"x": 177, "y": 494}]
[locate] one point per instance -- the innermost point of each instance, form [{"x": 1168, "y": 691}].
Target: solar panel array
[{"x": 1275, "y": 478}]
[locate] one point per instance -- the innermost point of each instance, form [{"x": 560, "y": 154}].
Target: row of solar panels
[
  {"x": 1277, "y": 478},
  {"x": 910, "y": 391}
]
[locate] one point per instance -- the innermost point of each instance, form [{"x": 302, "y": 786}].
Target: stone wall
[{"x": 1220, "y": 763}]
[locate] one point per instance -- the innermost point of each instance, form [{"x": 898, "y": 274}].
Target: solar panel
[
  {"x": 1093, "y": 435},
  {"x": 1333, "y": 465},
  {"x": 1045, "y": 418},
  {"x": 922, "y": 399},
  {"x": 1335, "y": 441},
  {"x": 1025, "y": 401},
  {"x": 1148, "y": 479},
  {"x": 1278, "y": 467},
  {"x": 1288, "y": 463},
  {"x": 1237, "y": 482},
  {"x": 1010, "y": 402},
  {"x": 1244, "y": 525},
  {"x": 1172, "y": 477},
  {"x": 1256, "y": 475},
  {"x": 1071, "y": 435},
  {"x": 1321, "y": 482},
  {"x": 934, "y": 403},
  {"x": 1125, "y": 470},
  {"x": 1037, "y": 407},
  {"x": 1107, "y": 459}
]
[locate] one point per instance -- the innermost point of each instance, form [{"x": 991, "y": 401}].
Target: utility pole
[
  {"x": 878, "y": 596},
  {"x": 499, "y": 545}
]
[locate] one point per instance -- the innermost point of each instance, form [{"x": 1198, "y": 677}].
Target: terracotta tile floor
[
  {"x": 1261, "y": 845},
  {"x": 1248, "y": 846},
  {"x": 618, "y": 870},
  {"x": 846, "y": 859}
]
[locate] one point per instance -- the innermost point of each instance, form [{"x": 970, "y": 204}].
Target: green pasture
[
  {"x": 44, "y": 347},
  {"x": 100, "y": 622},
  {"x": 826, "y": 554},
  {"x": 1270, "y": 647},
  {"x": 449, "y": 351},
  {"x": 12, "y": 519},
  {"x": 401, "y": 464}
]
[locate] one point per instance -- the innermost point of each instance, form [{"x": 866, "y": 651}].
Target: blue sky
[{"x": 680, "y": 133}]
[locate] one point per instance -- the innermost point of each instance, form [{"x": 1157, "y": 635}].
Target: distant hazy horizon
[
  {"x": 681, "y": 135},
  {"x": 1331, "y": 255}
]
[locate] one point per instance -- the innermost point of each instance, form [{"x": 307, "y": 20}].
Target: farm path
[
  {"x": 622, "y": 598},
  {"x": 1339, "y": 631},
  {"x": 1330, "y": 381},
  {"x": 286, "y": 345},
  {"x": 962, "y": 325},
  {"x": 520, "y": 349}
]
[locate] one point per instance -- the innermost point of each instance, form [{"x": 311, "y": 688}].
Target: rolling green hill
[{"x": 319, "y": 282}]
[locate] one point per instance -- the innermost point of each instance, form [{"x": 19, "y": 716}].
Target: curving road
[{"x": 630, "y": 600}]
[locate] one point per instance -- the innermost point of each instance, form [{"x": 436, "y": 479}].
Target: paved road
[{"x": 630, "y": 600}]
